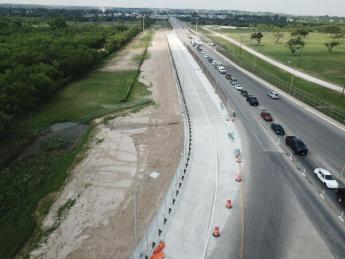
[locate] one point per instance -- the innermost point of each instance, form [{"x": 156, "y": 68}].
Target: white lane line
[{"x": 292, "y": 99}]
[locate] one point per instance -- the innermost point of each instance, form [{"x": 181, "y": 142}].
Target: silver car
[{"x": 273, "y": 95}]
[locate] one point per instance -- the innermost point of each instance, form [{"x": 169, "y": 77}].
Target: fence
[
  {"x": 129, "y": 90},
  {"x": 155, "y": 231},
  {"x": 300, "y": 94}
]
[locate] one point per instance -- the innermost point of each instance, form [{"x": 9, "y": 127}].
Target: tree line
[
  {"x": 36, "y": 59},
  {"x": 296, "y": 42}
]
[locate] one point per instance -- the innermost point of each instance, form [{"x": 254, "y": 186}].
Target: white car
[
  {"x": 214, "y": 63},
  {"x": 326, "y": 178},
  {"x": 222, "y": 70},
  {"x": 238, "y": 87},
  {"x": 273, "y": 95}
]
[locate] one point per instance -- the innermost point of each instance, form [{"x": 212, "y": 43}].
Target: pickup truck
[{"x": 296, "y": 145}]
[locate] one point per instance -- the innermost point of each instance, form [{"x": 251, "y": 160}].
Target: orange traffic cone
[
  {"x": 228, "y": 204},
  {"x": 238, "y": 178},
  {"x": 158, "y": 251},
  {"x": 216, "y": 232}
]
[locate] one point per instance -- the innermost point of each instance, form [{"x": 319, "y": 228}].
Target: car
[
  {"x": 238, "y": 87},
  {"x": 214, "y": 63},
  {"x": 326, "y": 178},
  {"x": 248, "y": 97},
  {"x": 228, "y": 76},
  {"x": 296, "y": 145},
  {"x": 278, "y": 129},
  {"x": 233, "y": 80},
  {"x": 341, "y": 196},
  {"x": 205, "y": 55},
  {"x": 222, "y": 70},
  {"x": 210, "y": 59},
  {"x": 253, "y": 101},
  {"x": 212, "y": 44},
  {"x": 244, "y": 93},
  {"x": 266, "y": 116},
  {"x": 273, "y": 95}
]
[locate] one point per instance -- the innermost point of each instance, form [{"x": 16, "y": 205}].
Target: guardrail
[
  {"x": 155, "y": 231},
  {"x": 300, "y": 94}
]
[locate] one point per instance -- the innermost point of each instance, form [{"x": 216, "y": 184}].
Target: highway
[{"x": 285, "y": 216}]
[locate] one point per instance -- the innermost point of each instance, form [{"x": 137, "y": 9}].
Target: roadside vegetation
[
  {"x": 324, "y": 99},
  {"x": 54, "y": 76},
  {"x": 317, "y": 51},
  {"x": 35, "y": 61}
]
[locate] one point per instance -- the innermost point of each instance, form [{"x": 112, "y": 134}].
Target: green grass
[
  {"x": 314, "y": 59},
  {"x": 25, "y": 182},
  {"x": 96, "y": 92},
  {"x": 29, "y": 185},
  {"x": 330, "y": 97}
]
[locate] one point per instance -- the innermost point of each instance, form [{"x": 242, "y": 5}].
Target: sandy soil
[
  {"x": 126, "y": 58},
  {"x": 100, "y": 224}
]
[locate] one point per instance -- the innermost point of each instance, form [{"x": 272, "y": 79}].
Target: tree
[
  {"x": 300, "y": 32},
  {"x": 58, "y": 23},
  {"x": 257, "y": 36},
  {"x": 278, "y": 35},
  {"x": 295, "y": 44},
  {"x": 333, "y": 30},
  {"x": 331, "y": 44}
]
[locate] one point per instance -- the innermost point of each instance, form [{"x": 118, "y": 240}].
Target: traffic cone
[
  {"x": 216, "y": 232},
  {"x": 238, "y": 178},
  {"x": 159, "y": 247},
  {"x": 228, "y": 204}
]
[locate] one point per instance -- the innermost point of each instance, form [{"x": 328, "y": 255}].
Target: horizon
[{"x": 154, "y": 4}]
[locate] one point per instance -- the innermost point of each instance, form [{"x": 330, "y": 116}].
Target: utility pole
[
  {"x": 241, "y": 46},
  {"x": 143, "y": 22},
  {"x": 196, "y": 23},
  {"x": 342, "y": 92},
  {"x": 135, "y": 210}
]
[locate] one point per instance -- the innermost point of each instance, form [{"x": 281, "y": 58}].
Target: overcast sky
[{"x": 309, "y": 7}]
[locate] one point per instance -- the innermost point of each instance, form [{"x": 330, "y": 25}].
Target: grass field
[
  {"x": 80, "y": 99},
  {"x": 29, "y": 183},
  {"x": 328, "y": 96},
  {"x": 314, "y": 58}
]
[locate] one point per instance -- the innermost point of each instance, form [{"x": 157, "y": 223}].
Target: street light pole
[
  {"x": 241, "y": 46},
  {"x": 135, "y": 210},
  {"x": 143, "y": 22}
]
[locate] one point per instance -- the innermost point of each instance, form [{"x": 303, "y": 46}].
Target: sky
[{"x": 297, "y": 7}]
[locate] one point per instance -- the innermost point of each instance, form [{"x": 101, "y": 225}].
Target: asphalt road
[{"x": 285, "y": 216}]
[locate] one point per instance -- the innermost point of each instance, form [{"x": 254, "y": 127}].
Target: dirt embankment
[{"x": 100, "y": 224}]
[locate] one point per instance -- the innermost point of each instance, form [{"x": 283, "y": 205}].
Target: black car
[
  {"x": 248, "y": 97},
  {"x": 210, "y": 60},
  {"x": 253, "y": 101},
  {"x": 296, "y": 145},
  {"x": 341, "y": 196},
  {"x": 228, "y": 76},
  {"x": 244, "y": 93},
  {"x": 278, "y": 129}
]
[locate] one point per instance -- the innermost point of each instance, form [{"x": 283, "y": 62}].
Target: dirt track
[{"x": 100, "y": 224}]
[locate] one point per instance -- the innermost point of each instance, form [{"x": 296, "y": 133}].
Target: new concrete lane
[{"x": 211, "y": 177}]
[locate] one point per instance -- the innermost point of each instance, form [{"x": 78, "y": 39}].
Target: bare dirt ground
[
  {"x": 125, "y": 59},
  {"x": 100, "y": 223}
]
